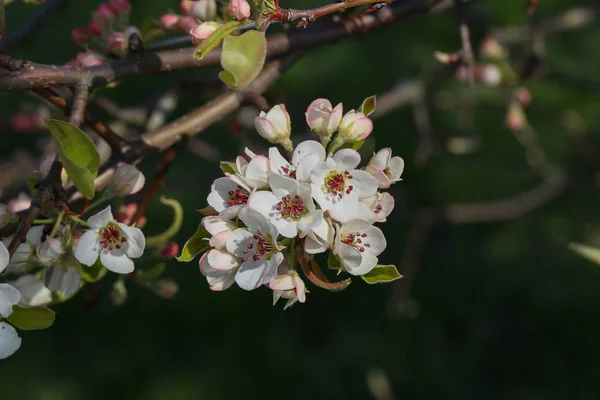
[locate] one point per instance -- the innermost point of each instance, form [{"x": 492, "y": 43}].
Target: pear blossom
[
  {"x": 337, "y": 186},
  {"x": 357, "y": 244},
  {"x": 323, "y": 119},
  {"x": 104, "y": 14},
  {"x": 64, "y": 278},
  {"x": 239, "y": 9},
  {"x": 305, "y": 157},
  {"x": 275, "y": 126},
  {"x": 319, "y": 237},
  {"x": 385, "y": 168},
  {"x": 126, "y": 180},
  {"x": 202, "y": 31},
  {"x": 33, "y": 291},
  {"x": 253, "y": 174},
  {"x": 114, "y": 242},
  {"x": 220, "y": 268},
  {"x": 120, "y": 6},
  {"x": 290, "y": 286},
  {"x": 257, "y": 247},
  {"x": 49, "y": 251},
  {"x": 228, "y": 197},
  {"x": 219, "y": 229},
  {"x": 355, "y": 126},
  {"x": 376, "y": 208},
  {"x": 25, "y": 251},
  {"x": 170, "y": 249},
  {"x": 10, "y": 341},
  {"x": 289, "y": 207}
]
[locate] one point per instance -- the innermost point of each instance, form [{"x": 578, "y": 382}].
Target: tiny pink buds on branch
[
  {"x": 186, "y": 23},
  {"x": 204, "y": 10},
  {"x": 119, "y": 6},
  {"x": 239, "y": 9},
  {"x": 323, "y": 119},
  {"x": 80, "y": 36},
  {"x": 354, "y": 127},
  {"x": 202, "y": 31},
  {"x": 275, "y": 126},
  {"x": 169, "y": 21},
  {"x": 95, "y": 28},
  {"x": 104, "y": 14},
  {"x": 117, "y": 43}
]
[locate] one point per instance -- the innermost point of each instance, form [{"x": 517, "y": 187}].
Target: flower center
[
  {"x": 111, "y": 236},
  {"x": 356, "y": 240},
  {"x": 378, "y": 209},
  {"x": 288, "y": 171},
  {"x": 291, "y": 207},
  {"x": 335, "y": 183},
  {"x": 261, "y": 245},
  {"x": 237, "y": 197}
]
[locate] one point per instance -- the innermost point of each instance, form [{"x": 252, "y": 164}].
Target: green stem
[
  {"x": 79, "y": 220},
  {"x": 59, "y": 219},
  {"x": 43, "y": 221}
]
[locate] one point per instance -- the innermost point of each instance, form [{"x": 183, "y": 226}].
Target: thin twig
[
  {"x": 80, "y": 98},
  {"x": 467, "y": 50}
]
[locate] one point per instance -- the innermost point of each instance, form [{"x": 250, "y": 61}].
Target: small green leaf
[
  {"x": 382, "y": 274},
  {"x": 197, "y": 244},
  {"x": 145, "y": 276},
  {"x": 228, "y": 167},
  {"x": 591, "y": 253},
  {"x": 368, "y": 105},
  {"x": 29, "y": 319},
  {"x": 78, "y": 154},
  {"x": 243, "y": 58},
  {"x": 93, "y": 273},
  {"x": 217, "y": 37}
]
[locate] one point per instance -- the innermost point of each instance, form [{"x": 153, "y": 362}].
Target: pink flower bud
[
  {"x": 119, "y": 6},
  {"x": 23, "y": 122},
  {"x": 524, "y": 96},
  {"x": 89, "y": 59},
  {"x": 126, "y": 180},
  {"x": 355, "y": 126},
  {"x": 170, "y": 249},
  {"x": 186, "y": 23},
  {"x": 204, "y": 10},
  {"x": 117, "y": 43},
  {"x": 80, "y": 36},
  {"x": 169, "y": 21},
  {"x": 202, "y": 31},
  {"x": 239, "y": 9},
  {"x": 275, "y": 125},
  {"x": 322, "y": 118},
  {"x": 185, "y": 6},
  {"x": 104, "y": 14},
  {"x": 95, "y": 28},
  {"x": 166, "y": 288}
]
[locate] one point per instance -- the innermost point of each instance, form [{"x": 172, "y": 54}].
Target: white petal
[
  {"x": 9, "y": 296},
  {"x": 381, "y": 159},
  {"x": 266, "y": 128},
  {"x": 368, "y": 262},
  {"x": 9, "y": 340},
  {"x": 231, "y": 212},
  {"x": 238, "y": 241},
  {"x": 351, "y": 257},
  {"x": 256, "y": 172},
  {"x": 382, "y": 179},
  {"x": 136, "y": 242},
  {"x": 257, "y": 222},
  {"x": 117, "y": 261},
  {"x": 277, "y": 161},
  {"x": 282, "y": 282},
  {"x": 34, "y": 236},
  {"x": 4, "y": 257},
  {"x": 71, "y": 282},
  {"x": 346, "y": 159},
  {"x": 215, "y": 225},
  {"x": 308, "y": 147},
  {"x": 101, "y": 219},
  {"x": 396, "y": 167},
  {"x": 217, "y": 279},
  {"x": 375, "y": 239},
  {"x": 345, "y": 209},
  {"x": 305, "y": 167},
  {"x": 279, "y": 116},
  {"x": 310, "y": 221},
  {"x": 365, "y": 185},
  {"x": 33, "y": 291},
  {"x": 282, "y": 185},
  {"x": 217, "y": 198},
  {"x": 222, "y": 260},
  {"x": 264, "y": 202},
  {"x": 253, "y": 274},
  {"x": 88, "y": 248},
  {"x": 314, "y": 244},
  {"x": 219, "y": 240}
]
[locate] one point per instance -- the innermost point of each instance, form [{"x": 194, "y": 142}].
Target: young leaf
[
  {"x": 243, "y": 58},
  {"x": 591, "y": 253},
  {"x": 382, "y": 274},
  {"x": 78, "y": 154},
  {"x": 217, "y": 37},
  {"x": 197, "y": 244},
  {"x": 29, "y": 319},
  {"x": 228, "y": 167},
  {"x": 368, "y": 105}
]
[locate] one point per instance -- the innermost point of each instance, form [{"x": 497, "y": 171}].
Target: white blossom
[
  {"x": 228, "y": 197},
  {"x": 220, "y": 268},
  {"x": 114, "y": 242},
  {"x": 257, "y": 247},
  {"x": 338, "y": 186},
  {"x": 33, "y": 291},
  {"x": 10, "y": 341},
  {"x": 376, "y": 208},
  {"x": 385, "y": 168},
  {"x": 290, "y": 286},
  {"x": 275, "y": 126},
  {"x": 358, "y": 244}
]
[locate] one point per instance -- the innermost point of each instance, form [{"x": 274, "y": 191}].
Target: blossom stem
[
  {"x": 78, "y": 220},
  {"x": 57, "y": 223},
  {"x": 331, "y": 286},
  {"x": 43, "y": 221}
]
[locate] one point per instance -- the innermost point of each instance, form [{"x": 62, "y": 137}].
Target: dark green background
[{"x": 504, "y": 309}]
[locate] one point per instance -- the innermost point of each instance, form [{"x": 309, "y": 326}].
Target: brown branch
[
  {"x": 166, "y": 159},
  {"x": 310, "y": 15},
  {"x": 80, "y": 99},
  {"x": 323, "y": 32},
  {"x": 467, "y": 50}
]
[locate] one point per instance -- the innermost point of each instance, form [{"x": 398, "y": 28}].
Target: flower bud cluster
[{"x": 273, "y": 213}]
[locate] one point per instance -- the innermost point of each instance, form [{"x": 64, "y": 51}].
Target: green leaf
[
  {"x": 368, "y": 105},
  {"x": 217, "y": 37},
  {"x": 93, "y": 273},
  {"x": 382, "y": 274},
  {"x": 29, "y": 319},
  {"x": 197, "y": 244},
  {"x": 591, "y": 253},
  {"x": 243, "y": 58},
  {"x": 146, "y": 276},
  {"x": 333, "y": 263},
  {"x": 78, "y": 154},
  {"x": 229, "y": 167}
]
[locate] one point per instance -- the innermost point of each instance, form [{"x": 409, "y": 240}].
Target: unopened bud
[
  {"x": 118, "y": 293},
  {"x": 80, "y": 36},
  {"x": 170, "y": 249},
  {"x": 275, "y": 126},
  {"x": 117, "y": 43},
  {"x": 126, "y": 180},
  {"x": 515, "y": 117},
  {"x": 169, "y": 21},
  {"x": 239, "y": 9},
  {"x": 355, "y": 126},
  {"x": 202, "y": 31},
  {"x": 119, "y": 6},
  {"x": 89, "y": 59},
  {"x": 104, "y": 14},
  {"x": 204, "y": 10},
  {"x": 186, "y": 23},
  {"x": 95, "y": 28},
  {"x": 323, "y": 119}
]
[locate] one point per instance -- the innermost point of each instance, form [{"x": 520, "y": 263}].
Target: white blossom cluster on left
[{"x": 270, "y": 214}]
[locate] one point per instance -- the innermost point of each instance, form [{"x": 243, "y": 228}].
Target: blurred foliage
[{"x": 500, "y": 310}]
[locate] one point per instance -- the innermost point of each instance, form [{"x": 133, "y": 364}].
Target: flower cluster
[{"x": 271, "y": 213}]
